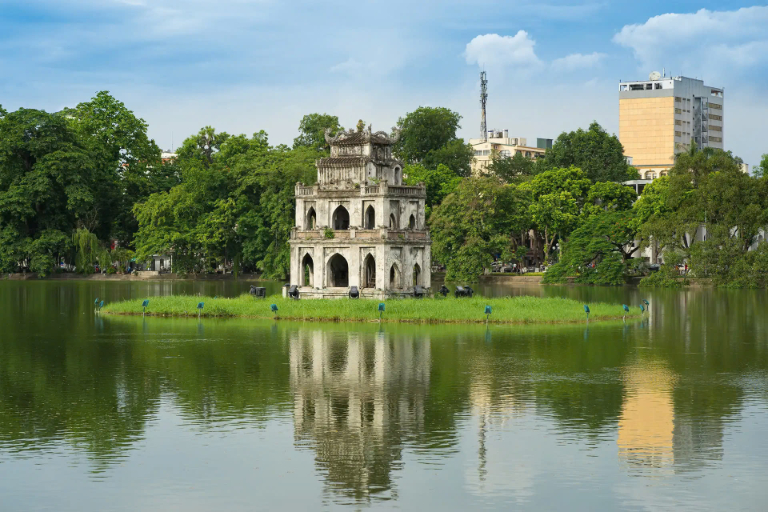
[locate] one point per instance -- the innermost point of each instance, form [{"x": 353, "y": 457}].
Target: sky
[{"x": 247, "y": 65}]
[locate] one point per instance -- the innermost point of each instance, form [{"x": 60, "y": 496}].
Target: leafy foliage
[
  {"x": 598, "y": 154},
  {"x": 439, "y": 182},
  {"x": 474, "y": 223},
  {"x": 428, "y": 137},
  {"x": 312, "y": 131}
]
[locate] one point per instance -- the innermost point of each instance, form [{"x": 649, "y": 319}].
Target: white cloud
[
  {"x": 701, "y": 40},
  {"x": 577, "y": 61},
  {"x": 495, "y": 51}
]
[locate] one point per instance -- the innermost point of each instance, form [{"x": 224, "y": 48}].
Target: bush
[{"x": 111, "y": 270}]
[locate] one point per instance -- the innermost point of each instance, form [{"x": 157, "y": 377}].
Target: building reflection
[
  {"x": 357, "y": 397},
  {"x": 646, "y": 425},
  {"x": 659, "y": 431}
]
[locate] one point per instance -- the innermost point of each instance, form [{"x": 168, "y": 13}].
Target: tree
[
  {"x": 596, "y": 252},
  {"x": 474, "y": 223},
  {"x": 761, "y": 171},
  {"x": 49, "y": 184},
  {"x": 428, "y": 136},
  {"x": 439, "y": 182},
  {"x": 558, "y": 196},
  {"x": 203, "y": 146},
  {"x": 516, "y": 169},
  {"x": 599, "y": 155},
  {"x": 312, "y": 131},
  {"x": 129, "y": 160},
  {"x": 456, "y": 155},
  {"x": 608, "y": 196}
]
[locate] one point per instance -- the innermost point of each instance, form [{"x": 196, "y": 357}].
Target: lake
[{"x": 101, "y": 413}]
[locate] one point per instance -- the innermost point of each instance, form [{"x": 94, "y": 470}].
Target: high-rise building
[{"x": 663, "y": 116}]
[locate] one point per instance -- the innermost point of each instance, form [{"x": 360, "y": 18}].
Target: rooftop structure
[{"x": 498, "y": 142}]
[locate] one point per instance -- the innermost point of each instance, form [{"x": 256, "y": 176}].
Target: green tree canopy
[
  {"x": 557, "y": 200},
  {"x": 49, "y": 184},
  {"x": 516, "y": 169},
  {"x": 439, "y": 182},
  {"x": 428, "y": 137},
  {"x": 598, "y": 154},
  {"x": 312, "y": 131},
  {"x": 761, "y": 171},
  {"x": 474, "y": 223}
]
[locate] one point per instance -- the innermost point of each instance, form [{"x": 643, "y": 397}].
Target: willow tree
[{"x": 88, "y": 251}]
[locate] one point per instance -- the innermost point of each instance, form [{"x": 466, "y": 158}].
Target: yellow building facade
[
  {"x": 664, "y": 116},
  {"x": 646, "y": 130}
]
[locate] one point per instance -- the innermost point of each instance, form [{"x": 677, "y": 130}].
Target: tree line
[{"x": 86, "y": 186}]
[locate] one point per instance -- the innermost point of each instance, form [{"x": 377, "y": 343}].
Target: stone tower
[{"x": 359, "y": 225}]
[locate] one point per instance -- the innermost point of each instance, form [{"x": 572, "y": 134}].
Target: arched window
[
  {"x": 394, "y": 277},
  {"x": 416, "y": 275},
  {"x": 412, "y": 222},
  {"x": 307, "y": 277},
  {"x": 392, "y": 221},
  {"x": 398, "y": 176},
  {"x": 311, "y": 221},
  {"x": 340, "y": 218},
  {"x": 338, "y": 272},
  {"x": 369, "y": 272},
  {"x": 370, "y": 217}
]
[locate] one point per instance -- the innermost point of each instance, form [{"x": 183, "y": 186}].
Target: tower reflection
[{"x": 357, "y": 397}]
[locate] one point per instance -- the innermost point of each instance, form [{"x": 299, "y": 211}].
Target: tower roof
[{"x": 360, "y": 138}]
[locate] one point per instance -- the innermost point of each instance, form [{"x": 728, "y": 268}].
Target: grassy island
[{"x": 508, "y": 310}]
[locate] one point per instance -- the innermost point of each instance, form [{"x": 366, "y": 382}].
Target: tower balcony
[
  {"x": 381, "y": 189},
  {"x": 379, "y": 234}
]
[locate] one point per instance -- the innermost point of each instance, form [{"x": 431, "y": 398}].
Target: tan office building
[{"x": 662, "y": 116}]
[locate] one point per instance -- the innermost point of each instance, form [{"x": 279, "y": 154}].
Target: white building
[
  {"x": 499, "y": 143},
  {"x": 359, "y": 225}
]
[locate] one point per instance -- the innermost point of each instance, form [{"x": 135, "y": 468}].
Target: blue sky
[{"x": 246, "y": 65}]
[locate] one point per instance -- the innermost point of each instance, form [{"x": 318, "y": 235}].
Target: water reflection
[
  {"x": 356, "y": 397},
  {"x": 494, "y": 414},
  {"x": 647, "y": 418}
]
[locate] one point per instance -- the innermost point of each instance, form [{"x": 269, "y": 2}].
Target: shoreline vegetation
[{"x": 508, "y": 310}]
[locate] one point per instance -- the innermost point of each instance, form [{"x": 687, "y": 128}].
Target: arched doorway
[
  {"x": 311, "y": 221},
  {"x": 338, "y": 272},
  {"x": 394, "y": 277},
  {"x": 340, "y": 218},
  {"x": 307, "y": 277},
  {"x": 370, "y": 217},
  {"x": 416, "y": 275},
  {"x": 369, "y": 272},
  {"x": 392, "y": 221},
  {"x": 412, "y": 222}
]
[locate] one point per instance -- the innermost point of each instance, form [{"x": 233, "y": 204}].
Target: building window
[
  {"x": 715, "y": 139},
  {"x": 678, "y": 122},
  {"x": 678, "y": 100},
  {"x": 715, "y": 117},
  {"x": 678, "y": 111},
  {"x": 716, "y": 128},
  {"x": 678, "y": 134},
  {"x": 715, "y": 106}
]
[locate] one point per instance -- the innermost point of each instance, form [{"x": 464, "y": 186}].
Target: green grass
[{"x": 516, "y": 310}]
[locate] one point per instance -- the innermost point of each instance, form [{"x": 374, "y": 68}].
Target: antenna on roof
[{"x": 483, "y": 102}]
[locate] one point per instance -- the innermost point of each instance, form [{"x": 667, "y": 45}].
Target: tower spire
[{"x": 483, "y": 101}]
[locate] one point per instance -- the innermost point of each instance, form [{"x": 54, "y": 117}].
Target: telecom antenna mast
[{"x": 483, "y": 101}]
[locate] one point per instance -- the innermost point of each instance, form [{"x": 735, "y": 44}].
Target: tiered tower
[{"x": 359, "y": 225}]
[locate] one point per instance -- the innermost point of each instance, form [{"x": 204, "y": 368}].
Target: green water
[{"x": 126, "y": 414}]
